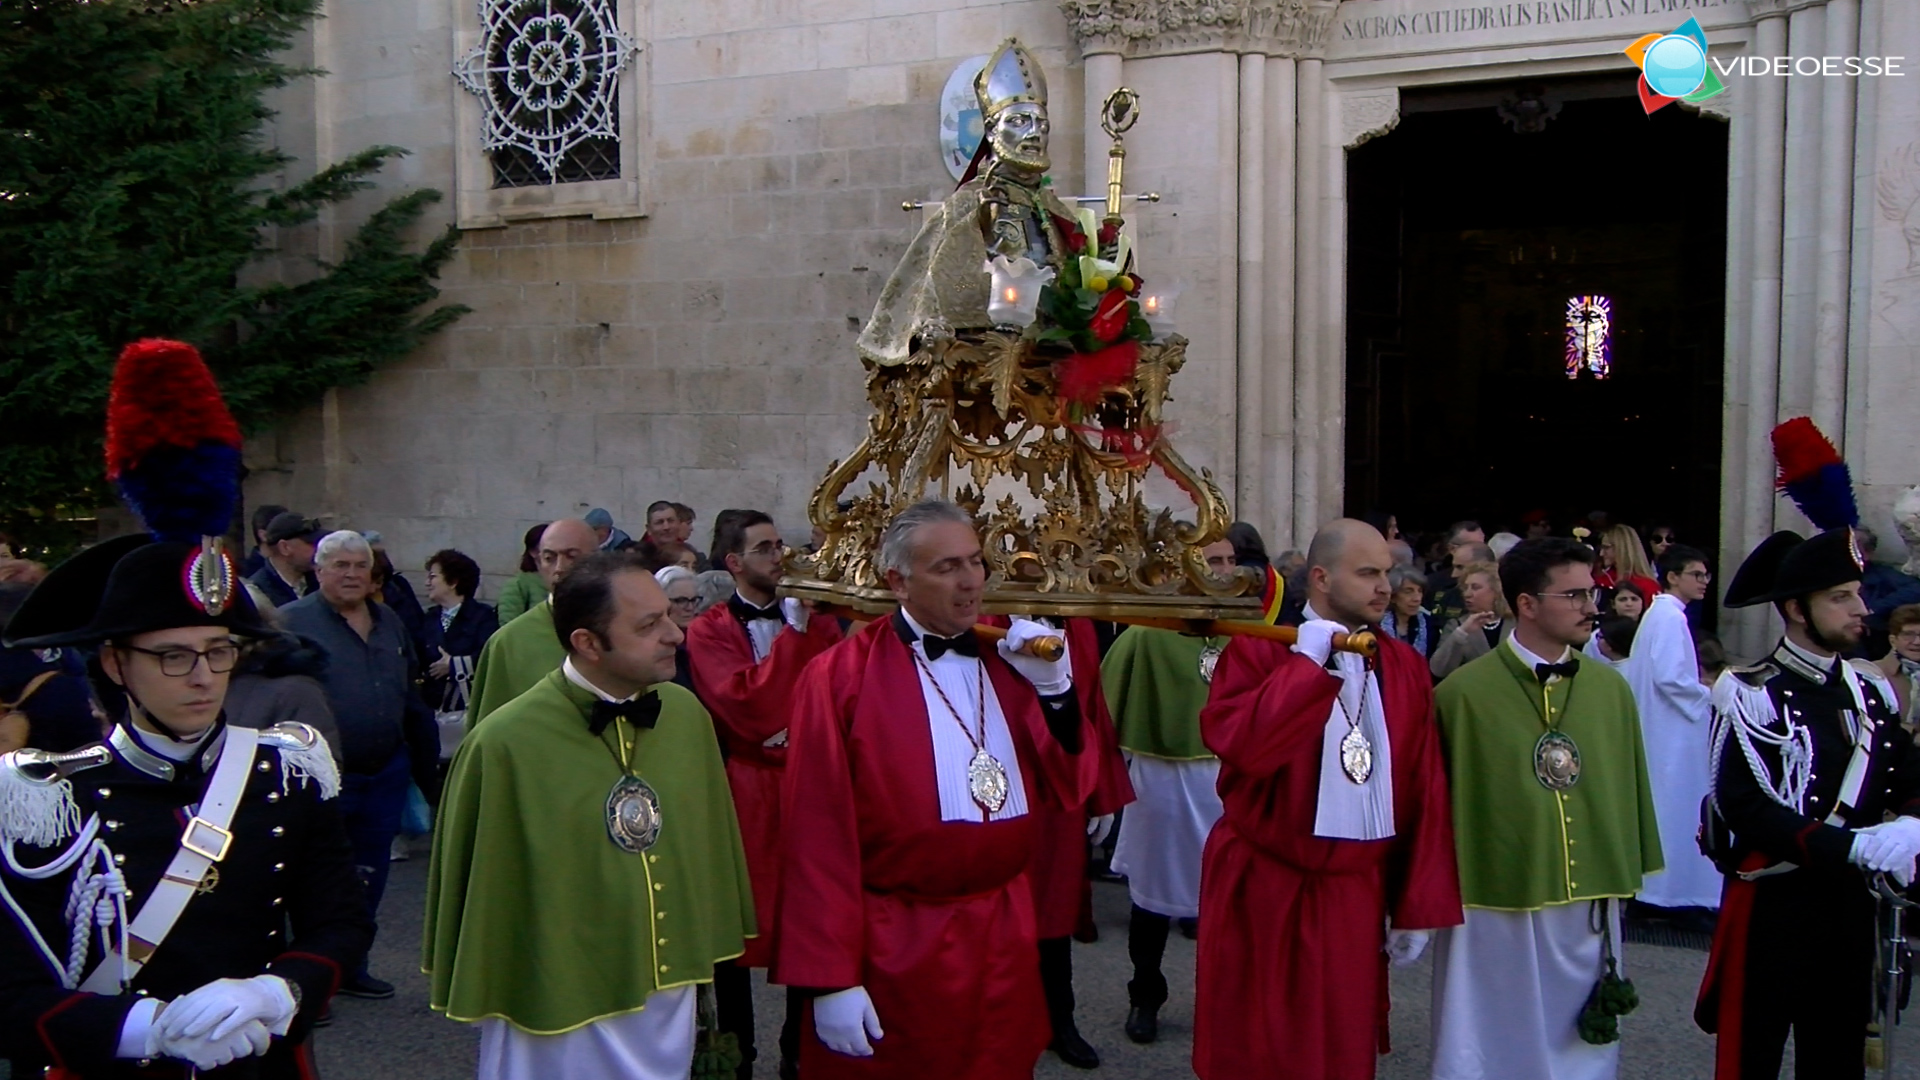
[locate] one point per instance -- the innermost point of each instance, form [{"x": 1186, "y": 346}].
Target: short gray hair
[
  {"x": 896, "y": 544},
  {"x": 715, "y": 587},
  {"x": 341, "y": 540},
  {"x": 1404, "y": 574}
]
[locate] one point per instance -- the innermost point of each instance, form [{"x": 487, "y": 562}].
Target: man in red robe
[
  {"x": 1336, "y": 818},
  {"x": 915, "y": 759},
  {"x": 745, "y": 656},
  {"x": 1059, "y": 868}
]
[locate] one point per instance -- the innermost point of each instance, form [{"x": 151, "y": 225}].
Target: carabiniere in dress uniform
[{"x": 179, "y": 898}]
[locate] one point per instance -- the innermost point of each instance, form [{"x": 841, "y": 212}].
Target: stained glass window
[
  {"x": 547, "y": 74},
  {"x": 1589, "y": 336}
]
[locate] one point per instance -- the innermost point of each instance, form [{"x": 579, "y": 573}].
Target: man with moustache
[
  {"x": 746, "y": 655},
  {"x": 525, "y": 650},
  {"x": 1808, "y": 758},
  {"x": 914, "y": 761},
  {"x": 1335, "y": 826},
  {"x": 1554, "y": 825},
  {"x": 587, "y": 869}
]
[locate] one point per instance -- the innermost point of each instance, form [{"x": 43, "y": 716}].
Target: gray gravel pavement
[{"x": 402, "y": 1038}]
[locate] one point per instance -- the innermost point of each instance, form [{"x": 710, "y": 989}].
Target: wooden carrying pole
[{"x": 1052, "y": 648}]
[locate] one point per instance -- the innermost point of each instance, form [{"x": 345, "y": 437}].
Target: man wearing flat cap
[
  {"x": 1809, "y": 761},
  {"x": 288, "y": 550}
]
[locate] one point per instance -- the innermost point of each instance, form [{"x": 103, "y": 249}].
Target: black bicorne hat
[
  {"x": 173, "y": 454},
  {"x": 126, "y": 586},
  {"x": 1785, "y": 566}
]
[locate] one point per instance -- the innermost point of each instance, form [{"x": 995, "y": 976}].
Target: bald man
[
  {"x": 1335, "y": 821},
  {"x": 525, "y": 650}
]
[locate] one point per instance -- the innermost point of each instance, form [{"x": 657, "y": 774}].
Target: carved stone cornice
[
  {"x": 1761, "y": 9},
  {"x": 1367, "y": 114},
  {"x": 1137, "y": 28}
]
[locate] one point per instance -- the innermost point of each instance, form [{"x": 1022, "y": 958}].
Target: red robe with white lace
[
  {"x": 935, "y": 919},
  {"x": 1292, "y": 977},
  {"x": 751, "y": 703}
]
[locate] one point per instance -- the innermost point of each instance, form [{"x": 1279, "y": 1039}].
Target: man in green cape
[
  {"x": 587, "y": 867},
  {"x": 1156, "y": 682},
  {"x": 525, "y": 650},
  {"x": 1554, "y": 825}
]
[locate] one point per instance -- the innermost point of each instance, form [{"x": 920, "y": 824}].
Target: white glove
[
  {"x": 207, "y": 1053},
  {"x": 1316, "y": 639},
  {"x": 1889, "y": 848},
  {"x": 1405, "y": 946},
  {"x": 1099, "y": 828},
  {"x": 1049, "y": 677},
  {"x": 794, "y": 610},
  {"x": 845, "y": 1021},
  {"x": 224, "y": 1006}
]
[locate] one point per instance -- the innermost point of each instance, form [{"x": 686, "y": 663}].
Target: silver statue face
[{"x": 1019, "y": 137}]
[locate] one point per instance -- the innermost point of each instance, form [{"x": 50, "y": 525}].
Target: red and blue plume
[
  {"x": 1813, "y": 474},
  {"x": 173, "y": 449}
]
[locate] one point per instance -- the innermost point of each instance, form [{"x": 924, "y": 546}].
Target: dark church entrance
[{"x": 1472, "y": 228}]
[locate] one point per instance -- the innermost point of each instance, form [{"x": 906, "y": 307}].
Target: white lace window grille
[{"x": 547, "y": 74}]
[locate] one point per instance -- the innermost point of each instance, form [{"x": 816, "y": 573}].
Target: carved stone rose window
[{"x": 547, "y": 75}]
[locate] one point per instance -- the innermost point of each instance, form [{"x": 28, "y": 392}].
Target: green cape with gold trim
[
  {"x": 1521, "y": 846},
  {"x": 534, "y": 916}
]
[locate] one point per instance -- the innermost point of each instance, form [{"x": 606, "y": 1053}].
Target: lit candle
[
  {"x": 1016, "y": 290},
  {"x": 1156, "y": 307}
]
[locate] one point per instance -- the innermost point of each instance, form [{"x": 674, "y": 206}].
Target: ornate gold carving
[
  {"x": 1064, "y": 523},
  {"x": 1170, "y": 27}
]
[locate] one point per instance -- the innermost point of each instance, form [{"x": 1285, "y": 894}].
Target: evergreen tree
[{"x": 135, "y": 189}]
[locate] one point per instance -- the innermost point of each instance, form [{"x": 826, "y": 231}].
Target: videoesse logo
[{"x": 1673, "y": 67}]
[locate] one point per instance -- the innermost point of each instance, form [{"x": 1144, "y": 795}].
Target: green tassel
[{"x": 716, "y": 1056}]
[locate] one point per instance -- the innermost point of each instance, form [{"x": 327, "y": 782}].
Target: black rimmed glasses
[{"x": 179, "y": 663}]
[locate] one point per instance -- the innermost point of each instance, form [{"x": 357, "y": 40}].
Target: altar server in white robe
[{"x": 1676, "y": 710}]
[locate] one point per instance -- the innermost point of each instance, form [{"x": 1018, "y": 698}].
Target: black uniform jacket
[
  {"x": 1803, "y": 695},
  {"x": 288, "y": 901}
]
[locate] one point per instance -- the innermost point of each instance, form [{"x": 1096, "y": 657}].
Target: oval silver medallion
[
  {"x": 1556, "y": 761},
  {"x": 633, "y": 815},
  {"x": 1209, "y": 660},
  {"x": 1356, "y": 756},
  {"x": 987, "y": 781}
]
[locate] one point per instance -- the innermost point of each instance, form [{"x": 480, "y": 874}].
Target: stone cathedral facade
[{"x": 676, "y": 216}]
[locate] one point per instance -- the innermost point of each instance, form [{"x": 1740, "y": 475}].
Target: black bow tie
[
  {"x": 643, "y": 711},
  {"x": 936, "y": 646},
  {"x": 747, "y": 613},
  {"x": 1564, "y": 669}
]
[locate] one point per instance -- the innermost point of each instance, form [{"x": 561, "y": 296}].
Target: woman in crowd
[
  {"x": 673, "y": 553},
  {"x": 1660, "y": 537},
  {"x": 682, "y": 587},
  {"x": 1406, "y": 619},
  {"x": 1902, "y": 662},
  {"x": 456, "y": 627},
  {"x": 1629, "y": 600},
  {"x": 1484, "y": 625},
  {"x": 526, "y": 590},
  {"x": 1622, "y": 558}
]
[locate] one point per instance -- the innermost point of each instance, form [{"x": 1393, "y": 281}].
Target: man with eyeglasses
[
  {"x": 746, "y": 656},
  {"x": 525, "y": 650},
  {"x": 1676, "y": 710},
  {"x": 369, "y": 682},
  {"x": 1809, "y": 763},
  {"x": 1901, "y": 665},
  {"x": 1554, "y": 826}
]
